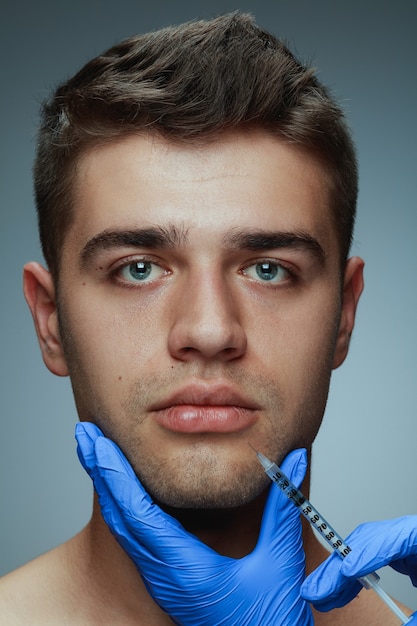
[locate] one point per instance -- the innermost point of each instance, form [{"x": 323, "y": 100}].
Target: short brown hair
[{"x": 189, "y": 83}]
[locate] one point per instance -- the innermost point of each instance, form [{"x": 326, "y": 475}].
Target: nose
[{"x": 206, "y": 323}]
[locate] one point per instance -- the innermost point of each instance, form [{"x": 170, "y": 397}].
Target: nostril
[{"x": 207, "y": 328}]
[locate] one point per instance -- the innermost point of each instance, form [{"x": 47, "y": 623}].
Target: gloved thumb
[{"x": 281, "y": 515}]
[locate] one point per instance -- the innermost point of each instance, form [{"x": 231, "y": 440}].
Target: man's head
[
  {"x": 199, "y": 252},
  {"x": 190, "y": 84}
]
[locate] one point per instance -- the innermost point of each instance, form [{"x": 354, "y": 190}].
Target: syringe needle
[{"x": 370, "y": 581}]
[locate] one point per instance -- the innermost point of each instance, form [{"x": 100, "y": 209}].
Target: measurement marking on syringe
[
  {"x": 311, "y": 513},
  {"x": 370, "y": 581}
]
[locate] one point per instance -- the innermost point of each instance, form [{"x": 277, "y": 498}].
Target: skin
[
  {"x": 210, "y": 342},
  {"x": 150, "y": 356}
]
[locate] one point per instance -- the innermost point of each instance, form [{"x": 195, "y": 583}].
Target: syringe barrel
[
  {"x": 370, "y": 581},
  {"x": 328, "y": 533}
]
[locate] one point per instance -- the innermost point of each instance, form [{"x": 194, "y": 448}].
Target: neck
[
  {"x": 230, "y": 532},
  {"x": 233, "y": 532}
]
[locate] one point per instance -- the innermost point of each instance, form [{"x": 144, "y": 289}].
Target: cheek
[
  {"x": 297, "y": 348},
  {"x": 107, "y": 349},
  {"x": 120, "y": 328},
  {"x": 299, "y": 332}
]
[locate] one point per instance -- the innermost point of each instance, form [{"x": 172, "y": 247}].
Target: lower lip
[{"x": 189, "y": 418}]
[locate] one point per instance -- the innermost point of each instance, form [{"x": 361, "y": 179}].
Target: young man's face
[{"x": 201, "y": 308}]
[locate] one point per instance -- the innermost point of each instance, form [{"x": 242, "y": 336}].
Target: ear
[
  {"x": 352, "y": 289},
  {"x": 39, "y": 291}
]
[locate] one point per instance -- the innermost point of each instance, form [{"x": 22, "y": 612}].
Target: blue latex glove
[
  {"x": 194, "y": 584},
  {"x": 376, "y": 544}
]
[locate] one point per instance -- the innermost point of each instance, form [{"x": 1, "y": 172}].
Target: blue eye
[
  {"x": 141, "y": 271},
  {"x": 267, "y": 271}
]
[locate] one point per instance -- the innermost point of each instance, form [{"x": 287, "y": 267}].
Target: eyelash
[
  {"x": 288, "y": 269},
  {"x": 115, "y": 273}
]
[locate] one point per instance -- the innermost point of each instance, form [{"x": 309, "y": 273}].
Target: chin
[
  {"x": 201, "y": 477},
  {"x": 210, "y": 495}
]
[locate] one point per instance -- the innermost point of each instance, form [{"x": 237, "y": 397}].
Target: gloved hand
[
  {"x": 394, "y": 542},
  {"x": 194, "y": 584}
]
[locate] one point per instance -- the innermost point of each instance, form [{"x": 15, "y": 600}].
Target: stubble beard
[{"x": 201, "y": 474}]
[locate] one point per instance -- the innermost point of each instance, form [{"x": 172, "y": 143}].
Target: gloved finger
[
  {"x": 280, "y": 540},
  {"x": 373, "y": 546},
  {"x": 407, "y": 566},
  {"x": 327, "y": 588},
  {"x": 121, "y": 480},
  {"x": 127, "y": 488},
  {"x": 86, "y": 435},
  {"x": 280, "y": 513},
  {"x": 376, "y": 544},
  {"x": 294, "y": 466},
  {"x": 129, "y": 492},
  {"x": 162, "y": 535}
]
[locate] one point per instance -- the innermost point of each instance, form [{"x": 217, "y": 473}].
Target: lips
[{"x": 206, "y": 409}]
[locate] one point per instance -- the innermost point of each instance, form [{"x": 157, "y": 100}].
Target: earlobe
[
  {"x": 39, "y": 291},
  {"x": 352, "y": 289}
]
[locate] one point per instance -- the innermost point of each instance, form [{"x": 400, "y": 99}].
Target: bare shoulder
[
  {"x": 87, "y": 581},
  {"x": 36, "y": 592}
]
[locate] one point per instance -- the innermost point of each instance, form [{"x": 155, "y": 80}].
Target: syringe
[{"x": 335, "y": 541}]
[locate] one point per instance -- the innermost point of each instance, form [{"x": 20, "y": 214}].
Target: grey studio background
[{"x": 365, "y": 463}]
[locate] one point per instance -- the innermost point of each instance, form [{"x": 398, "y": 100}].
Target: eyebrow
[
  {"x": 271, "y": 240},
  {"x": 172, "y": 236},
  {"x": 151, "y": 238}
]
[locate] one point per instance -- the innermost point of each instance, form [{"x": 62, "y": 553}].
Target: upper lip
[{"x": 213, "y": 394}]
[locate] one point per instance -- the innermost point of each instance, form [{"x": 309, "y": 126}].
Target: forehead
[{"x": 250, "y": 180}]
